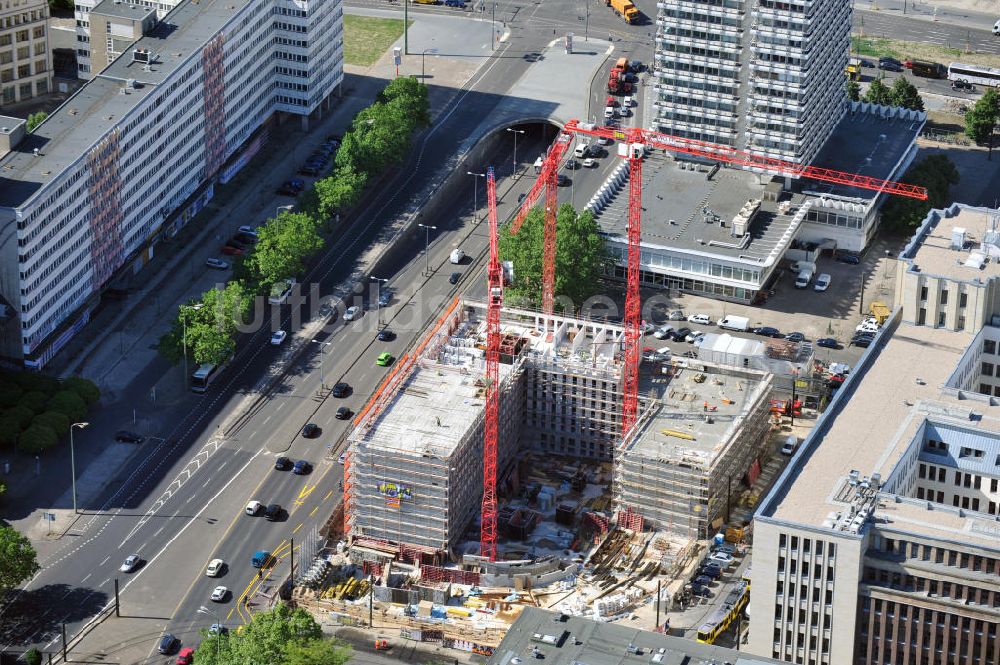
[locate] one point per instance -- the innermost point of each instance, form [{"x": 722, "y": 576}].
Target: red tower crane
[
  {"x": 633, "y": 142},
  {"x": 494, "y": 279}
]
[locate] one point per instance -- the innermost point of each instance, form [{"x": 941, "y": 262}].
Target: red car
[
  {"x": 231, "y": 251},
  {"x": 186, "y": 656},
  {"x": 611, "y": 101}
]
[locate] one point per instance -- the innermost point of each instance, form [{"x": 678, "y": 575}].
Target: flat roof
[
  {"x": 443, "y": 395},
  {"x": 870, "y": 141},
  {"x": 682, "y": 209},
  {"x": 933, "y": 253},
  {"x": 698, "y": 413},
  {"x": 886, "y": 405},
  {"x": 563, "y": 639},
  {"x": 80, "y": 122},
  {"x": 119, "y": 9}
]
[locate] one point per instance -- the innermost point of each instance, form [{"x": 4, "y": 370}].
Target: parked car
[
  {"x": 562, "y": 181},
  {"x": 609, "y": 112},
  {"x": 795, "y": 337},
  {"x": 343, "y": 413},
  {"x": 130, "y": 564},
  {"x": 455, "y": 276},
  {"x": 611, "y": 101},
  {"x": 663, "y": 332},
  {"x": 590, "y": 163},
  {"x": 309, "y": 170},
  {"x": 311, "y": 431},
  {"x": 217, "y": 629},
  {"x": 827, "y": 343},
  {"x": 571, "y": 165},
  {"x": 693, "y": 337},
  {"x": 605, "y": 140},
  {"x": 215, "y": 567},
  {"x": 250, "y": 229},
  {"x": 125, "y": 436},
  {"x": 647, "y": 328},
  {"x": 458, "y": 4},
  {"x": 767, "y": 331},
  {"x": 700, "y": 319},
  {"x": 219, "y": 593},
  {"x": 185, "y": 656},
  {"x": 233, "y": 242},
  {"x": 353, "y": 312},
  {"x": 863, "y": 342},
  {"x": 292, "y": 187},
  {"x": 850, "y": 259},
  {"x": 229, "y": 250},
  {"x": 961, "y": 85},
  {"x": 703, "y": 580},
  {"x": 722, "y": 558},
  {"x": 822, "y": 282},
  {"x": 246, "y": 239},
  {"x": 301, "y": 468},
  {"x": 341, "y": 389},
  {"x": 253, "y": 508},
  {"x": 384, "y": 297},
  {"x": 217, "y": 264},
  {"x": 680, "y": 334},
  {"x": 676, "y": 315},
  {"x": 277, "y": 337},
  {"x": 384, "y": 359}
]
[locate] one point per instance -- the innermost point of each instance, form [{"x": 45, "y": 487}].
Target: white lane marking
[
  {"x": 105, "y": 560},
  {"x": 87, "y": 577}
]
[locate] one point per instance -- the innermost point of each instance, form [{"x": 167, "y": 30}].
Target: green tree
[
  {"x": 33, "y": 656},
  {"x": 581, "y": 256},
  {"x": 10, "y": 429},
  {"x": 36, "y": 119},
  {"x": 21, "y": 415},
  {"x": 34, "y": 400},
  {"x": 413, "y": 93},
  {"x": 853, "y": 90},
  {"x": 54, "y": 420},
  {"x": 211, "y": 326},
  {"x": 285, "y": 244},
  {"x": 266, "y": 639},
  {"x": 17, "y": 558},
  {"x": 339, "y": 191},
  {"x": 10, "y": 394},
  {"x": 69, "y": 404},
  {"x": 318, "y": 652},
  {"x": 32, "y": 381},
  {"x": 61, "y": 5},
  {"x": 37, "y": 438},
  {"x": 905, "y": 94},
  {"x": 982, "y": 117},
  {"x": 937, "y": 173},
  {"x": 86, "y": 389},
  {"x": 878, "y": 93}
]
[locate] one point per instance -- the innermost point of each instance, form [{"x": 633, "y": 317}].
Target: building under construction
[
  {"x": 682, "y": 467},
  {"x": 414, "y": 476}
]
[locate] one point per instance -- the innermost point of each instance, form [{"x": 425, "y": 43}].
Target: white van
[
  {"x": 581, "y": 150},
  {"x": 456, "y": 256},
  {"x": 791, "y": 443}
]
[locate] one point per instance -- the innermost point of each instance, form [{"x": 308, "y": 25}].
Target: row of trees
[
  {"x": 935, "y": 172},
  {"x": 281, "y": 635},
  {"x": 581, "y": 258},
  {"x": 901, "y": 93},
  {"x": 206, "y": 327},
  {"x": 37, "y": 410}
]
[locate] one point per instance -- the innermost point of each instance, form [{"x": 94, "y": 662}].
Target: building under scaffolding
[
  {"x": 682, "y": 468},
  {"x": 414, "y": 473},
  {"x": 415, "y": 459}
]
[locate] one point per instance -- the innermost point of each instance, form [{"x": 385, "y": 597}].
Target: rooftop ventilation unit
[{"x": 958, "y": 238}]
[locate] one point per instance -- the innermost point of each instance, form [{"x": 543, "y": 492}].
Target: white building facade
[
  {"x": 97, "y": 196},
  {"x": 763, "y": 75}
]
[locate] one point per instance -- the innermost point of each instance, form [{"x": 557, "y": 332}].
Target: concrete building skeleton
[{"x": 415, "y": 459}]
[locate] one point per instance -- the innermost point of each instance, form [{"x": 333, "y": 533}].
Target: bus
[
  {"x": 723, "y": 616},
  {"x": 203, "y": 377},
  {"x": 973, "y": 74}
]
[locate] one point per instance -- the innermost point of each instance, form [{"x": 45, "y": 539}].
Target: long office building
[
  {"x": 135, "y": 153},
  {"x": 881, "y": 541},
  {"x": 763, "y": 75}
]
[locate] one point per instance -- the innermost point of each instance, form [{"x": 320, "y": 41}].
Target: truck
[
  {"x": 625, "y": 9},
  {"x": 618, "y": 83},
  {"x": 732, "y": 322}
]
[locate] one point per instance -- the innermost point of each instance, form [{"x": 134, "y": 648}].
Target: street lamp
[
  {"x": 218, "y": 624},
  {"x": 422, "y": 54},
  {"x": 290, "y": 207},
  {"x": 322, "y": 351},
  {"x": 475, "y": 193},
  {"x": 378, "y": 297},
  {"x": 515, "y": 132},
  {"x": 72, "y": 459},
  {"x": 427, "y": 240}
]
